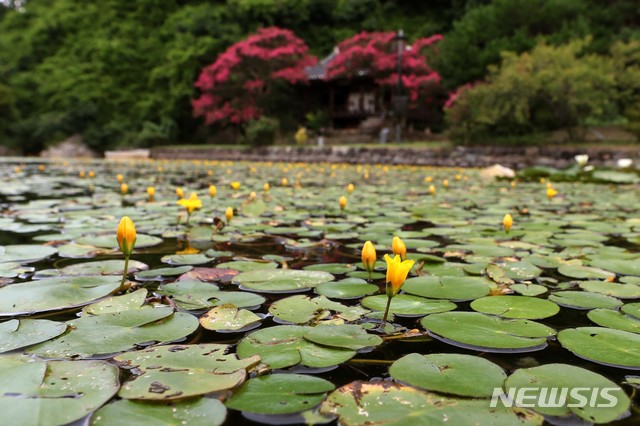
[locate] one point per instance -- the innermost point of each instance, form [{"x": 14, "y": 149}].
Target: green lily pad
[
  {"x": 521, "y": 270},
  {"x": 285, "y": 346},
  {"x": 407, "y": 305},
  {"x": 54, "y": 293},
  {"x": 584, "y": 300},
  {"x": 192, "y": 295},
  {"x": 350, "y": 288},
  {"x": 198, "y": 412},
  {"x": 454, "y": 374},
  {"x": 161, "y": 273},
  {"x": 493, "y": 334},
  {"x": 632, "y": 309},
  {"x": 246, "y": 266},
  {"x": 281, "y": 280},
  {"x": 614, "y": 319},
  {"x": 102, "y": 267},
  {"x": 603, "y": 345},
  {"x": 332, "y": 268},
  {"x": 117, "y": 303},
  {"x": 113, "y": 332},
  {"x": 55, "y": 392},
  {"x": 185, "y": 259},
  {"x": 362, "y": 403},
  {"x": 452, "y": 288},
  {"x": 109, "y": 241},
  {"x": 584, "y": 272},
  {"x": 619, "y": 266},
  {"x": 516, "y": 307},
  {"x": 347, "y": 336},
  {"x": 25, "y": 253},
  {"x": 280, "y": 394},
  {"x": 302, "y": 309},
  {"x": 560, "y": 378},
  {"x": 171, "y": 372},
  {"x": 622, "y": 291},
  {"x": 15, "y": 334},
  {"x": 228, "y": 317}
]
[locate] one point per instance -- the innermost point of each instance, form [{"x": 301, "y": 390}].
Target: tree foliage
[{"x": 551, "y": 87}]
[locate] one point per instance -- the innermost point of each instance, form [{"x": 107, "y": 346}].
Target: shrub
[{"x": 263, "y": 131}]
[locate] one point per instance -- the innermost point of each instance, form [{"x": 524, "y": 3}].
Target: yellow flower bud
[
  {"x": 343, "y": 202},
  {"x": 82, "y": 174},
  {"x": 213, "y": 190},
  {"x": 120, "y": 178},
  {"x": 266, "y": 187},
  {"x": 180, "y": 192},
  {"x": 126, "y": 235},
  {"x": 368, "y": 256},
  {"x": 551, "y": 193},
  {"x": 399, "y": 248},
  {"x": 229, "y": 214},
  {"x": 252, "y": 195},
  {"x": 92, "y": 174},
  {"x": 350, "y": 188},
  {"x": 428, "y": 179},
  {"x": 432, "y": 190},
  {"x": 124, "y": 188},
  {"x": 445, "y": 183},
  {"x": 397, "y": 271},
  {"x": 285, "y": 181},
  {"x": 151, "y": 192},
  {"x": 507, "y": 222},
  {"x": 235, "y": 185}
]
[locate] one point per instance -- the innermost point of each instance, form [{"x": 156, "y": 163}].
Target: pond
[{"x": 256, "y": 308}]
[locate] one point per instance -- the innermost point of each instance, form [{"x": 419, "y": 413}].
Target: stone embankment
[{"x": 516, "y": 157}]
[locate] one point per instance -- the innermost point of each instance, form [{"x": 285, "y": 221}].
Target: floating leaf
[
  {"x": 516, "y": 307},
  {"x": 452, "y": 288},
  {"x": 584, "y": 300},
  {"x": 15, "y": 334},
  {"x": 614, "y": 319},
  {"x": 280, "y": 394},
  {"x": 25, "y": 253},
  {"x": 350, "y": 288},
  {"x": 493, "y": 334},
  {"x": 622, "y": 291},
  {"x": 302, "y": 309},
  {"x": 455, "y": 374},
  {"x": 228, "y": 317},
  {"x": 584, "y": 272},
  {"x": 407, "y": 305},
  {"x": 603, "y": 345},
  {"x": 281, "y": 280},
  {"x": 170, "y": 372},
  {"x": 161, "y": 273},
  {"x": 191, "y": 295},
  {"x": 347, "y": 336}
]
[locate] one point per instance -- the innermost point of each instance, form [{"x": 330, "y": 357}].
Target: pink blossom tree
[
  {"x": 375, "y": 54},
  {"x": 236, "y": 87}
]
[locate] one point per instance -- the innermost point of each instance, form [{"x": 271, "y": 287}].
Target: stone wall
[{"x": 478, "y": 156}]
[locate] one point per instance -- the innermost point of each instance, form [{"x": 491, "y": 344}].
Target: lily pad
[
  {"x": 622, "y": 291},
  {"x": 108, "y": 241},
  {"x": 25, "y": 253},
  {"x": 198, "y": 412},
  {"x": 55, "y": 392},
  {"x": 529, "y": 289},
  {"x": 332, "y": 268},
  {"x": 607, "y": 346},
  {"x": 619, "y": 266},
  {"x": 570, "y": 388},
  {"x": 192, "y": 295},
  {"x": 614, "y": 319},
  {"x": 302, "y": 309},
  {"x": 161, "y": 273},
  {"x": 351, "y": 288},
  {"x": 281, "y": 280},
  {"x": 492, "y": 334},
  {"x": 584, "y": 272},
  {"x": 516, "y": 307},
  {"x": 280, "y": 394},
  {"x": 584, "y": 300},
  {"x": 15, "y": 334},
  {"x": 407, "y": 305},
  {"x": 361, "y": 403},
  {"x": 285, "y": 346},
  {"x": 454, "y": 374},
  {"x": 228, "y": 317},
  {"x": 185, "y": 259},
  {"x": 446, "y": 287},
  {"x": 102, "y": 267},
  {"x": 170, "y": 372},
  {"x": 347, "y": 336},
  {"x": 54, "y": 293}
]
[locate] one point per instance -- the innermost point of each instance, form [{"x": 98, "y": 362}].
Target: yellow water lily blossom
[
  {"x": 266, "y": 187},
  {"x": 191, "y": 204},
  {"x": 180, "y": 193},
  {"x": 119, "y": 177},
  {"x": 350, "y": 188},
  {"x": 369, "y": 257},
  {"x": 507, "y": 222},
  {"x": 445, "y": 183},
  {"x": 551, "y": 192},
  {"x": 92, "y": 174},
  {"x": 126, "y": 237},
  {"x": 397, "y": 271},
  {"x": 151, "y": 192},
  {"x": 399, "y": 248},
  {"x": 235, "y": 185},
  {"x": 229, "y": 214},
  {"x": 82, "y": 174},
  {"x": 343, "y": 202},
  {"x": 252, "y": 195},
  {"x": 124, "y": 188},
  {"x": 285, "y": 182},
  {"x": 428, "y": 179},
  {"x": 212, "y": 191},
  {"x": 432, "y": 190}
]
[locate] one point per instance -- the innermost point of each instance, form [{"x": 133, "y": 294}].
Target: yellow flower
[
  {"x": 266, "y": 187},
  {"x": 368, "y": 256},
  {"x": 124, "y": 188},
  {"x": 92, "y": 174},
  {"x": 126, "y": 235},
  {"x": 551, "y": 193},
  {"x": 445, "y": 183},
  {"x": 285, "y": 181},
  {"x": 41, "y": 167},
  {"x": 350, "y": 188},
  {"x": 180, "y": 192},
  {"x": 193, "y": 203},
  {"x": 120, "y": 178},
  {"x": 397, "y": 271},
  {"x": 343, "y": 202},
  {"x": 151, "y": 192},
  {"x": 213, "y": 190},
  {"x": 252, "y": 196},
  {"x": 235, "y": 185},
  {"x": 432, "y": 190},
  {"x": 229, "y": 214},
  {"x": 428, "y": 179},
  {"x": 82, "y": 174},
  {"x": 399, "y": 248},
  {"x": 507, "y": 222}
]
